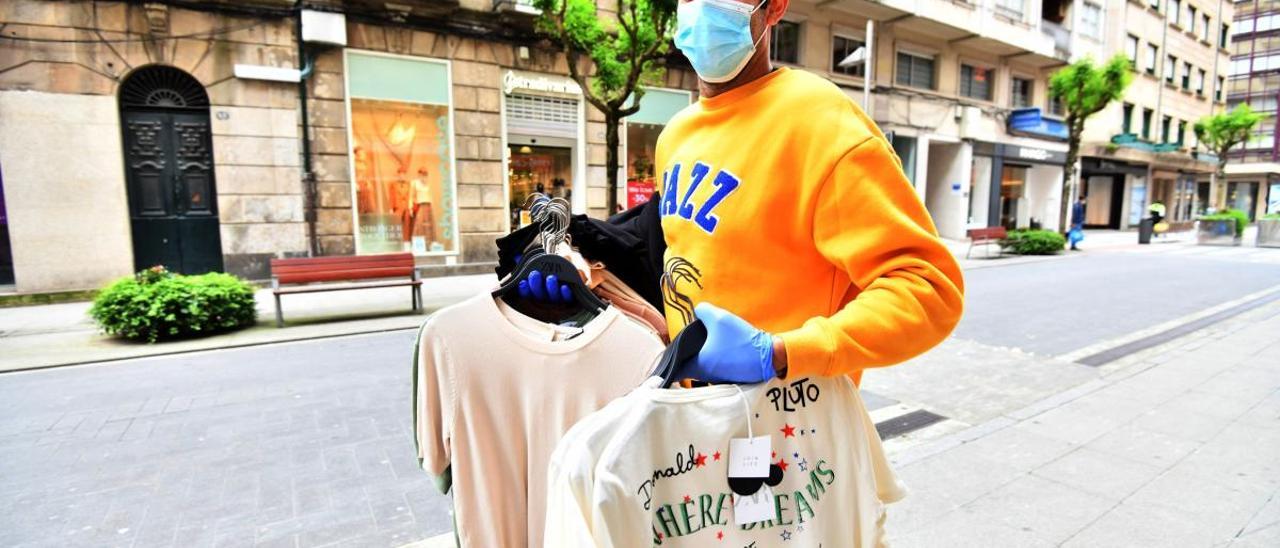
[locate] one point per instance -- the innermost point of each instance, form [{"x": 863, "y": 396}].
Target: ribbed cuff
[{"x": 809, "y": 350}]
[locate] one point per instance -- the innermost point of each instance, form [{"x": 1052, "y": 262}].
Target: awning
[{"x": 1031, "y": 122}]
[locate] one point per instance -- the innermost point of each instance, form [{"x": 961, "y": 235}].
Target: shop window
[
  {"x": 841, "y": 48},
  {"x": 784, "y": 43},
  {"x": 975, "y": 82},
  {"x": 1021, "y": 93},
  {"x": 1153, "y": 57},
  {"x": 401, "y": 154},
  {"x": 915, "y": 70},
  {"x": 1013, "y": 184},
  {"x": 1146, "y": 123},
  {"x": 545, "y": 170},
  {"x": 657, "y": 107},
  {"x": 1131, "y": 51},
  {"x": 1126, "y": 125}
]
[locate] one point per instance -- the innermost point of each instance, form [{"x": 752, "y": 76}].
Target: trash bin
[{"x": 1145, "y": 228}]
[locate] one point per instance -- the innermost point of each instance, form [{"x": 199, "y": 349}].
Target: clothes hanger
[
  {"x": 683, "y": 347},
  {"x": 552, "y": 217}
]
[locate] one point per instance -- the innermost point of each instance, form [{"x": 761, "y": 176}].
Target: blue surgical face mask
[{"x": 716, "y": 37}]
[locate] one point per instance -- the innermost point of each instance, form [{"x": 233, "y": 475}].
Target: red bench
[
  {"x": 301, "y": 275},
  {"x": 986, "y": 236}
]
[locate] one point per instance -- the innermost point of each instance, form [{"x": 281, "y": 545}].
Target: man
[
  {"x": 1077, "y": 222},
  {"x": 813, "y": 254}
]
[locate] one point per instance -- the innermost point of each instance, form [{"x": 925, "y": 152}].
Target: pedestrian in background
[{"x": 1077, "y": 223}]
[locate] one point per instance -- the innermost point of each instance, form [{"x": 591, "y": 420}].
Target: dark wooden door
[{"x": 172, "y": 195}]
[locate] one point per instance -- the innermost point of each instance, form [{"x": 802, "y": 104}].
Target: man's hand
[
  {"x": 546, "y": 290},
  {"x": 735, "y": 351}
]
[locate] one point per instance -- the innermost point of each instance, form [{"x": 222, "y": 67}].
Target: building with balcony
[
  {"x": 178, "y": 133},
  {"x": 1142, "y": 149},
  {"x": 1253, "y": 174}
]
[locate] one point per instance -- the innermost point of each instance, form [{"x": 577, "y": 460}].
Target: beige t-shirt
[
  {"x": 651, "y": 469},
  {"x": 494, "y": 391}
]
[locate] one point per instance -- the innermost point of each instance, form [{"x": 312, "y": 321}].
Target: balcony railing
[{"x": 1061, "y": 38}]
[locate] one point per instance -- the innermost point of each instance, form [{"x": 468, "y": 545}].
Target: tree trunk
[
  {"x": 611, "y": 162},
  {"x": 1069, "y": 172},
  {"x": 1218, "y": 188}
]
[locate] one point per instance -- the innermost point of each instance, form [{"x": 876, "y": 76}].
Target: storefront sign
[
  {"x": 1038, "y": 154},
  {"x": 513, "y": 80}
]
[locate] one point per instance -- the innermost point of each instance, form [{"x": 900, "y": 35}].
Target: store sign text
[
  {"x": 512, "y": 81},
  {"x": 1034, "y": 153}
]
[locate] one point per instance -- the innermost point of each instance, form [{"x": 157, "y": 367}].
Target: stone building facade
[{"x": 134, "y": 134}]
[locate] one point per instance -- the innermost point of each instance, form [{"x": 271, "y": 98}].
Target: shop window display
[
  {"x": 642, "y": 139},
  {"x": 540, "y": 169},
  {"x": 400, "y": 152}
]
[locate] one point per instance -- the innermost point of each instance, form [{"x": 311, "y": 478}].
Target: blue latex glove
[
  {"x": 735, "y": 351},
  {"x": 546, "y": 290}
]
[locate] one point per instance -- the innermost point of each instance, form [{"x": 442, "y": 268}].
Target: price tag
[
  {"x": 749, "y": 457},
  {"x": 754, "y": 508}
]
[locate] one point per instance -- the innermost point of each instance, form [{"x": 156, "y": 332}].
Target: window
[
  {"x": 1222, "y": 36},
  {"x": 1175, "y": 12},
  {"x": 1186, "y": 76},
  {"x": 1200, "y": 82},
  {"x": 976, "y": 82},
  {"x": 1131, "y": 50},
  {"x": 1056, "y": 106},
  {"x": 1170, "y": 68},
  {"x": 1146, "y": 123},
  {"x": 1126, "y": 125},
  {"x": 915, "y": 70},
  {"x": 400, "y": 126},
  {"x": 1021, "y": 96},
  {"x": 1153, "y": 56},
  {"x": 1182, "y": 131},
  {"x": 1191, "y": 18},
  {"x": 785, "y": 43},
  {"x": 1010, "y": 8},
  {"x": 1155, "y": 4},
  {"x": 1205, "y": 24},
  {"x": 1091, "y": 21},
  {"x": 841, "y": 47},
  {"x": 1217, "y": 92},
  {"x": 1164, "y": 129}
]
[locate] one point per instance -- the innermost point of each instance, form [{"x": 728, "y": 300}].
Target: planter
[
  {"x": 1216, "y": 232},
  {"x": 1269, "y": 233}
]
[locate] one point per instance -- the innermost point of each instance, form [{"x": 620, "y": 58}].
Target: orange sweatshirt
[{"x": 784, "y": 204}]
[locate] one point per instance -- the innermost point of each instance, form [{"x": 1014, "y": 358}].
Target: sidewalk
[
  {"x": 1173, "y": 446},
  {"x": 63, "y": 334},
  {"x": 986, "y": 256}
]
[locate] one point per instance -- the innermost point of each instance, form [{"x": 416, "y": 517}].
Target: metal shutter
[{"x": 542, "y": 115}]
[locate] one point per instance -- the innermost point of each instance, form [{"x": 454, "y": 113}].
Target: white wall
[
  {"x": 948, "y": 165},
  {"x": 1044, "y": 195},
  {"x": 64, "y": 190},
  {"x": 981, "y": 193}
]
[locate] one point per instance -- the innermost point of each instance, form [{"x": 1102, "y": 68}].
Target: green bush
[
  {"x": 156, "y": 304},
  {"x": 1272, "y": 216},
  {"x": 1241, "y": 218},
  {"x": 1033, "y": 242}
]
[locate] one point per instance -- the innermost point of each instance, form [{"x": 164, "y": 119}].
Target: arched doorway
[{"x": 168, "y": 155}]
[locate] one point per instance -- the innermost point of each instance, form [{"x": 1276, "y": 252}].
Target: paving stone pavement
[
  {"x": 181, "y": 451},
  {"x": 1175, "y": 446}
]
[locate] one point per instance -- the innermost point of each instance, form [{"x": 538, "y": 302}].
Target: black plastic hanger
[
  {"x": 550, "y": 265},
  {"x": 685, "y": 346}
]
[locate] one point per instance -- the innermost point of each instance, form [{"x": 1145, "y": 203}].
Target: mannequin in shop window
[
  {"x": 802, "y": 246},
  {"x": 419, "y": 209}
]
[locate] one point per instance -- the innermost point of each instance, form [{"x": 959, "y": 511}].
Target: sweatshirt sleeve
[{"x": 869, "y": 222}]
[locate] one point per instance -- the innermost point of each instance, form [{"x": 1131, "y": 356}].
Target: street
[{"x": 308, "y": 443}]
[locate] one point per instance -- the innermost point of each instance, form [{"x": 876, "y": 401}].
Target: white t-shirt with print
[{"x": 651, "y": 468}]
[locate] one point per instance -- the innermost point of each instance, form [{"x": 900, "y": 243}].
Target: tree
[
  {"x": 1084, "y": 90},
  {"x": 624, "y": 54},
  {"x": 1221, "y": 132}
]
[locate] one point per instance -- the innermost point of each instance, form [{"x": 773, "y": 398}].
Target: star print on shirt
[
  {"x": 783, "y": 465},
  {"x": 786, "y": 535},
  {"x": 804, "y": 465},
  {"x": 716, "y": 455},
  {"x": 720, "y": 535},
  {"x": 688, "y": 499},
  {"x": 701, "y": 460},
  {"x": 788, "y": 431}
]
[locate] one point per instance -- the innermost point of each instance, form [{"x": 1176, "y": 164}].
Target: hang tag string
[{"x": 746, "y": 405}]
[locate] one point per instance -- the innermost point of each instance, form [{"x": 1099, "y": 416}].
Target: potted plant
[
  {"x": 1269, "y": 230},
  {"x": 1222, "y": 228}
]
